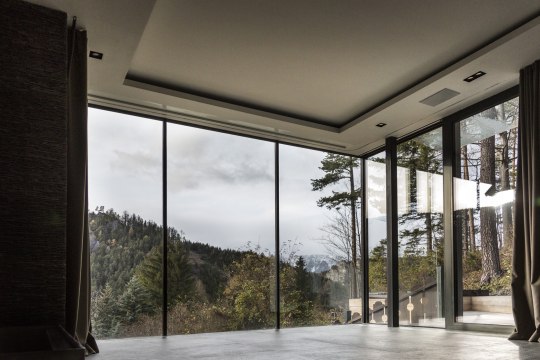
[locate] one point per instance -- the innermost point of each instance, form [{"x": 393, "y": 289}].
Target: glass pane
[
  {"x": 420, "y": 230},
  {"x": 221, "y": 245},
  {"x": 320, "y": 238},
  {"x": 377, "y": 244},
  {"x": 483, "y": 206},
  {"x": 125, "y": 217}
]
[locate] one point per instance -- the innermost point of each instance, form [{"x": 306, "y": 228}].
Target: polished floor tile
[{"x": 341, "y": 342}]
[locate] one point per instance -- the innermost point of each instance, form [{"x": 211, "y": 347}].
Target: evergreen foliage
[
  {"x": 105, "y": 315},
  {"x": 181, "y": 283},
  {"x": 339, "y": 169},
  {"x": 210, "y": 289},
  {"x": 135, "y": 301},
  {"x": 420, "y": 230}
]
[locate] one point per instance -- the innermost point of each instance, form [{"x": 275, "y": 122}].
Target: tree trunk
[
  {"x": 513, "y": 133},
  {"x": 429, "y": 234},
  {"x": 491, "y": 267},
  {"x": 464, "y": 233},
  {"x": 469, "y": 215},
  {"x": 361, "y": 258},
  {"x": 508, "y": 231},
  {"x": 470, "y": 226},
  {"x": 354, "y": 289},
  {"x": 429, "y": 230}
]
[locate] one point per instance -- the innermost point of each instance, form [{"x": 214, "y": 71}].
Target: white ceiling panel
[
  {"x": 326, "y": 61},
  {"x": 312, "y": 72}
]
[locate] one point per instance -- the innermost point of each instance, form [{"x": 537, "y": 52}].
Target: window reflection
[
  {"x": 320, "y": 238},
  {"x": 483, "y": 207},
  {"x": 420, "y": 230},
  {"x": 376, "y": 237}
]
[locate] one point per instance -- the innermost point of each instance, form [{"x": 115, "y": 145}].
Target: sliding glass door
[
  {"x": 484, "y": 187},
  {"x": 420, "y": 230},
  {"x": 375, "y": 191},
  {"x": 227, "y": 215}
]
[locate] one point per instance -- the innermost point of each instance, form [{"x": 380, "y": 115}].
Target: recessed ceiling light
[
  {"x": 380, "y": 125},
  {"x": 96, "y": 55},
  {"x": 474, "y": 76}
]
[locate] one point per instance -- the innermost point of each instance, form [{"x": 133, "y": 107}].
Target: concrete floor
[{"x": 328, "y": 342}]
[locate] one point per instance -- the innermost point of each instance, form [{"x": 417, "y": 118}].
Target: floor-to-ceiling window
[
  {"x": 221, "y": 219},
  {"x": 375, "y": 183},
  {"x": 221, "y": 214},
  {"x": 485, "y": 178},
  {"x": 321, "y": 281},
  {"x": 420, "y": 229},
  {"x": 125, "y": 217}
]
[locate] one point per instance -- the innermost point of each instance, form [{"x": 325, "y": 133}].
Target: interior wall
[{"x": 33, "y": 62}]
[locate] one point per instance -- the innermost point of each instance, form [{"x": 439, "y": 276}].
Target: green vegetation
[
  {"x": 215, "y": 289},
  {"x": 210, "y": 289},
  {"x": 340, "y": 169},
  {"x": 487, "y": 233},
  {"x": 420, "y": 228}
]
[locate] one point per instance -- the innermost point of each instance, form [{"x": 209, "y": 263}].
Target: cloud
[
  {"x": 137, "y": 163},
  {"x": 221, "y": 186},
  {"x": 199, "y": 158}
]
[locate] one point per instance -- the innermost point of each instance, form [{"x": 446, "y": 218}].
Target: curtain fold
[
  {"x": 77, "y": 242},
  {"x": 526, "y": 252}
]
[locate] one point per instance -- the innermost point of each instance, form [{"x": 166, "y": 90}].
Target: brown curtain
[
  {"x": 77, "y": 247},
  {"x": 526, "y": 255}
]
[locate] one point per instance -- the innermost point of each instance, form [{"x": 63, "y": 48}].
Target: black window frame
[{"x": 453, "y": 300}]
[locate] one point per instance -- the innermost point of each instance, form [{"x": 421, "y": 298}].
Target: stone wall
[{"x": 33, "y": 63}]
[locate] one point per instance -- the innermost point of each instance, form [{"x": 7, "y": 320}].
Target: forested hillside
[{"x": 210, "y": 288}]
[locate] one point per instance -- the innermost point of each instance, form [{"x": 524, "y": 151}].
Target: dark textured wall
[{"x": 33, "y": 60}]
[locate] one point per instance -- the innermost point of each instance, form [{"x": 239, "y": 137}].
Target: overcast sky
[{"x": 220, "y": 186}]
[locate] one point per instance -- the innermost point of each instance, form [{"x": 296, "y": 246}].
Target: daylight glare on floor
[{"x": 324, "y": 342}]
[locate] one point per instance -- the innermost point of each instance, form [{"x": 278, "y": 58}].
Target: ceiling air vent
[{"x": 439, "y": 97}]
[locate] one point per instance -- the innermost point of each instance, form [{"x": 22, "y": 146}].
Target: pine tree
[
  {"x": 420, "y": 227},
  {"x": 377, "y": 267},
  {"x": 134, "y": 301},
  {"x": 340, "y": 169},
  {"x": 491, "y": 266},
  {"x": 181, "y": 284},
  {"x": 302, "y": 278},
  {"x": 105, "y": 315}
]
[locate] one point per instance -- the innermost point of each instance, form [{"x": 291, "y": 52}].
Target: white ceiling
[{"x": 313, "y": 72}]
